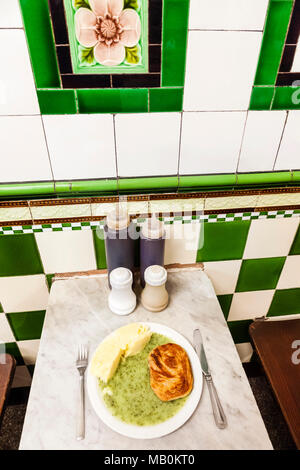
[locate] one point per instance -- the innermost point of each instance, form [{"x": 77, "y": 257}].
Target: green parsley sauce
[{"x": 128, "y": 394}]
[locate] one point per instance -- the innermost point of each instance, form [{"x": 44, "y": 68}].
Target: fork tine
[{"x": 82, "y": 352}]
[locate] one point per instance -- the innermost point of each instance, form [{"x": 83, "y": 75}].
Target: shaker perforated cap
[
  {"x": 120, "y": 277},
  {"x": 153, "y": 228},
  {"x": 155, "y": 275},
  {"x": 117, "y": 219}
]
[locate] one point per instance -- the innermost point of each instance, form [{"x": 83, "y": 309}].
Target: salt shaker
[
  {"x": 155, "y": 296},
  {"x": 121, "y": 299}
]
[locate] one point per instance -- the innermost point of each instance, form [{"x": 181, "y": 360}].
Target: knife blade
[
  {"x": 218, "y": 412},
  {"x": 198, "y": 345}
]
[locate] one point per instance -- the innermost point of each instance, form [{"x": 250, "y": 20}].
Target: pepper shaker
[{"x": 155, "y": 296}]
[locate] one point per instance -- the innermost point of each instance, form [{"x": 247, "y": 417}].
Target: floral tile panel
[{"x": 108, "y": 36}]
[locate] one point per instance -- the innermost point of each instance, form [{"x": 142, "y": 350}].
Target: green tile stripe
[
  {"x": 286, "y": 97},
  {"x": 40, "y": 42},
  {"x": 277, "y": 22},
  {"x": 57, "y": 101},
  {"x": 181, "y": 183},
  {"x": 265, "y": 94},
  {"x": 174, "y": 38},
  {"x": 205, "y": 218},
  {"x": 112, "y": 100},
  {"x": 165, "y": 99}
]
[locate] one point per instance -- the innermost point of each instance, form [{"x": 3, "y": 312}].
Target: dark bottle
[
  {"x": 119, "y": 241},
  {"x": 152, "y": 245}
]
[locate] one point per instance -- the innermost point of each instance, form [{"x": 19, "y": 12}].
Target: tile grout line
[
  {"x": 116, "y": 152},
  {"x": 242, "y": 141},
  {"x": 48, "y": 152},
  {"x": 280, "y": 141},
  {"x": 179, "y": 149},
  {"x": 205, "y": 30}
]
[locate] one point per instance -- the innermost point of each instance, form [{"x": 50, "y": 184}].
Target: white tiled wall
[
  {"x": 214, "y": 134},
  {"x": 235, "y": 15},
  {"x": 80, "y": 146}
]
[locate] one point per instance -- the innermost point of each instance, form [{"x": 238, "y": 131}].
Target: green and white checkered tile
[
  {"x": 210, "y": 218},
  {"x": 252, "y": 260}
]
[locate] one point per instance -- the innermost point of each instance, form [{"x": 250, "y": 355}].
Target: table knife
[{"x": 218, "y": 411}]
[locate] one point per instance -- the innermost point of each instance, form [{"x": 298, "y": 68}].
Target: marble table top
[{"x": 78, "y": 312}]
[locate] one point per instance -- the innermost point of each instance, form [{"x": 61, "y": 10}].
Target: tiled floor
[{"x": 12, "y": 423}]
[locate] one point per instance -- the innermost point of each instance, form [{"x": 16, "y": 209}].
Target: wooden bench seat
[
  {"x": 275, "y": 342},
  {"x": 7, "y": 370}
]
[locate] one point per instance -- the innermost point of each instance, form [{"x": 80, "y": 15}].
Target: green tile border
[
  {"x": 204, "y": 181},
  {"x": 277, "y": 22},
  {"x": 132, "y": 184},
  {"x": 15, "y": 229},
  {"x": 112, "y": 100},
  {"x": 174, "y": 41},
  {"x": 55, "y": 100},
  {"x": 265, "y": 94},
  {"x": 182, "y": 183},
  {"x": 261, "y": 98},
  {"x": 40, "y": 41},
  {"x": 286, "y": 97},
  {"x": 165, "y": 99}
]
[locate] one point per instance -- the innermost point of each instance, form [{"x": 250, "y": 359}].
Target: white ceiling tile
[
  {"x": 147, "y": 144},
  {"x": 17, "y": 89},
  {"x": 228, "y": 14},
  {"x": 10, "y": 14},
  {"x": 24, "y": 150},
  {"x": 81, "y": 146},
  {"x": 289, "y": 154},
  {"x": 210, "y": 142},
  {"x": 261, "y": 140},
  {"x": 220, "y": 70}
]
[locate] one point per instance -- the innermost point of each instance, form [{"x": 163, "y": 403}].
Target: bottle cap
[
  {"x": 120, "y": 277},
  {"x": 155, "y": 275},
  {"x": 117, "y": 219},
  {"x": 153, "y": 228}
]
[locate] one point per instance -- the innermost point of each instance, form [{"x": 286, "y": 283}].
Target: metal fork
[{"x": 81, "y": 364}]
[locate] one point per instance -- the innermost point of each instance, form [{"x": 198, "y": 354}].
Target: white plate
[{"x": 168, "y": 426}]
